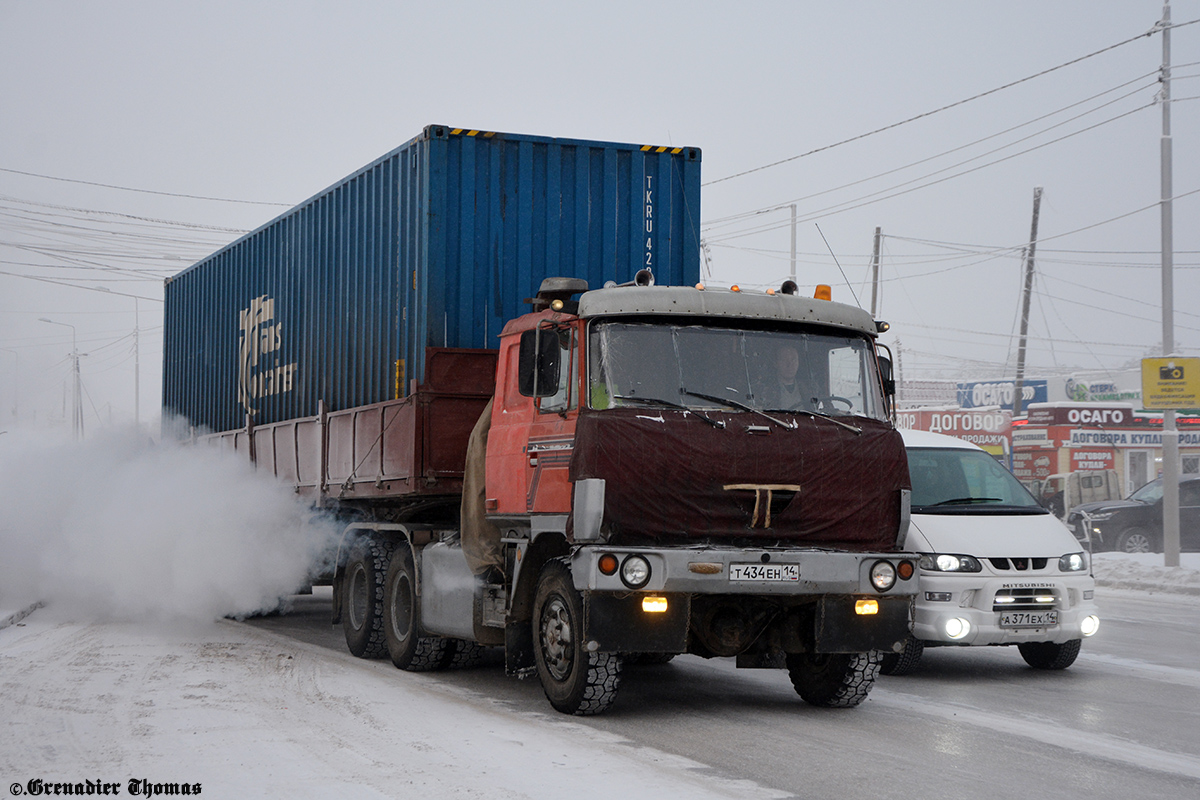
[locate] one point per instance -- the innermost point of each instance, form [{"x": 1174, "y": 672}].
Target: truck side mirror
[
  {"x": 885, "y": 372},
  {"x": 538, "y": 363}
]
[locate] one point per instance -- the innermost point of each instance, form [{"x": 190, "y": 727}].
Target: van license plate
[
  {"x": 1028, "y": 619},
  {"x": 764, "y": 573}
]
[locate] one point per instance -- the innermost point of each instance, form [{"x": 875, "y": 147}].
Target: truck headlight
[
  {"x": 883, "y": 576},
  {"x": 635, "y": 572},
  {"x": 947, "y": 562},
  {"x": 1073, "y": 562}
]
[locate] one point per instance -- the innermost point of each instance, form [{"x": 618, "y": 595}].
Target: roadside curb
[{"x": 17, "y": 616}]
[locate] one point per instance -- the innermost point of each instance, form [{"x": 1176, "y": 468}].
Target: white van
[{"x": 995, "y": 568}]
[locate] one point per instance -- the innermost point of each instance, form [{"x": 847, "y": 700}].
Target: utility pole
[
  {"x": 137, "y": 370},
  {"x": 77, "y": 418},
  {"x": 1019, "y": 388},
  {"x": 875, "y": 275},
  {"x": 1170, "y": 436},
  {"x": 792, "y": 275},
  {"x": 16, "y": 408}
]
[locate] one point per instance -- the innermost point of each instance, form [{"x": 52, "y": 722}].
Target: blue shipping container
[{"x": 436, "y": 244}]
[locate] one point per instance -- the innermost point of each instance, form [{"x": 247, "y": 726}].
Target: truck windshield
[
  {"x": 962, "y": 481},
  {"x": 701, "y": 367}
]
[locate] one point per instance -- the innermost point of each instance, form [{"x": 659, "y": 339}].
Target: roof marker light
[{"x": 823, "y": 292}]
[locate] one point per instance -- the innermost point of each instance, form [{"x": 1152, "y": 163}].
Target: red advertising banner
[
  {"x": 988, "y": 429},
  {"x": 1092, "y": 459},
  {"x": 1036, "y": 464}
]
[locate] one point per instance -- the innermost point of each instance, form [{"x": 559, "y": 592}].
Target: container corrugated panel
[{"x": 436, "y": 244}]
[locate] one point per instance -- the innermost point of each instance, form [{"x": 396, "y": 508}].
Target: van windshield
[
  {"x": 962, "y": 481},
  {"x": 710, "y": 367}
]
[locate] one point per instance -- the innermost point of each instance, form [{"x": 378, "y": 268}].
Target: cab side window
[{"x": 566, "y": 398}]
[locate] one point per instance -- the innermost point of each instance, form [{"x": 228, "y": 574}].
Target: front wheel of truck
[
  {"x": 362, "y": 597},
  {"x": 575, "y": 680},
  {"x": 401, "y": 619},
  {"x": 833, "y": 680}
]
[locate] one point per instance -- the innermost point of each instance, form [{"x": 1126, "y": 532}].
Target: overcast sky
[{"x": 267, "y": 103}]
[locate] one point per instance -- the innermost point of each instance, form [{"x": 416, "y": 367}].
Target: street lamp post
[{"x": 77, "y": 422}]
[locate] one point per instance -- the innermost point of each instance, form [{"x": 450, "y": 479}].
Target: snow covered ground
[
  {"x": 128, "y": 672},
  {"x": 249, "y": 713}
]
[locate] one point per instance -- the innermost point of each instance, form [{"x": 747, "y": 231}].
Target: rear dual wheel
[
  {"x": 401, "y": 621},
  {"x": 363, "y": 596}
]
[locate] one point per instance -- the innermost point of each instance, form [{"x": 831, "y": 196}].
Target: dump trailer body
[{"x": 436, "y": 244}]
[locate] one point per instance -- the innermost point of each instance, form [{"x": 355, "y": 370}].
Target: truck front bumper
[{"x": 733, "y": 601}]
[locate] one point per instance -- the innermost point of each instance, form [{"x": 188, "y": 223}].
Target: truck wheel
[
  {"x": 401, "y": 618},
  {"x": 833, "y": 680},
  {"x": 464, "y": 654},
  {"x": 1050, "y": 655},
  {"x": 575, "y": 681},
  {"x": 905, "y": 661},
  {"x": 362, "y": 597},
  {"x": 1134, "y": 540}
]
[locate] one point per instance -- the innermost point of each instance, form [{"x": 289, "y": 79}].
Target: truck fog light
[
  {"x": 865, "y": 608},
  {"x": 1090, "y": 624},
  {"x": 652, "y": 604},
  {"x": 956, "y": 628},
  {"x": 635, "y": 572},
  {"x": 883, "y": 576}
]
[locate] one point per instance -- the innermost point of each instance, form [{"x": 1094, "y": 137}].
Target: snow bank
[
  {"x": 121, "y": 527},
  {"x": 1145, "y": 572}
]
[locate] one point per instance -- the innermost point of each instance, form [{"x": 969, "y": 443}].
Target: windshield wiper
[
  {"x": 963, "y": 501},
  {"x": 669, "y": 404},
  {"x": 736, "y": 404}
]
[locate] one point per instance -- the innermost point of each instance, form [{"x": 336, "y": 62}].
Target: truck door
[{"x": 532, "y": 438}]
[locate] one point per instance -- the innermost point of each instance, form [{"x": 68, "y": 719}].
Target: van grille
[
  {"x": 1018, "y": 564},
  {"x": 1025, "y": 599}
]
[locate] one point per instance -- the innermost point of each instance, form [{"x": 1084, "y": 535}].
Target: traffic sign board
[{"x": 1170, "y": 383}]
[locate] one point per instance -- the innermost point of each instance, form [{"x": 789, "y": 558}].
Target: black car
[{"x": 1135, "y": 524}]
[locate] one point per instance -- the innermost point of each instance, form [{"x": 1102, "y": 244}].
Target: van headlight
[
  {"x": 948, "y": 562},
  {"x": 1073, "y": 562}
]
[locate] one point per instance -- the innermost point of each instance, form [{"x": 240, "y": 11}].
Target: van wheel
[
  {"x": 362, "y": 597},
  {"x": 833, "y": 680},
  {"x": 905, "y": 661},
  {"x": 1134, "y": 540},
  {"x": 1050, "y": 655},
  {"x": 575, "y": 680},
  {"x": 401, "y": 621}
]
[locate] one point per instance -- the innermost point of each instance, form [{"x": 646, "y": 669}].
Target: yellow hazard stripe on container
[
  {"x": 461, "y": 131},
  {"x": 646, "y": 148}
]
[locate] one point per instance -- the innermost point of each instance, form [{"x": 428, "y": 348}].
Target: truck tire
[
  {"x": 833, "y": 680},
  {"x": 362, "y": 598},
  {"x": 401, "y": 618},
  {"x": 575, "y": 680},
  {"x": 1050, "y": 655},
  {"x": 905, "y": 661},
  {"x": 464, "y": 654},
  {"x": 1134, "y": 540}
]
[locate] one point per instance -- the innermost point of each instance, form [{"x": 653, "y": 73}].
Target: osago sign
[{"x": 1170, "y": 383}]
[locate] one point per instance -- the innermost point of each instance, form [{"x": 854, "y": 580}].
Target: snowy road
[
  {"x": 277, "y": 708},
  {"x": 1121, "y": 723}
]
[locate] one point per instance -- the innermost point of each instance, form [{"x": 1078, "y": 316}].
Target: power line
[
  {"x": 141, "y": 191},
  {"x": 711, "y": 224},
  {"x": 955, "y": 104}
]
